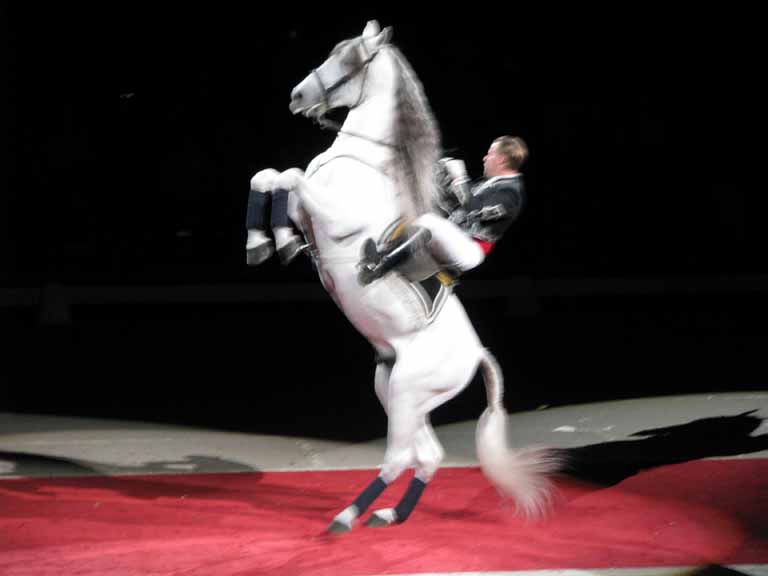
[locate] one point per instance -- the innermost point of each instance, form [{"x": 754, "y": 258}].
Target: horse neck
[{"x": 369, "y": 126}]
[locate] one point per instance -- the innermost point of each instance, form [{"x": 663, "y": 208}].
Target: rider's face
[{"x": 493, "y": 163}]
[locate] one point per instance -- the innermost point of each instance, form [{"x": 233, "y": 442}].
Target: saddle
[{"x": 423, "y": 275}]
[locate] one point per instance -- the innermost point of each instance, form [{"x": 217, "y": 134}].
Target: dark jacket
[{"x": 495, "y": 204}]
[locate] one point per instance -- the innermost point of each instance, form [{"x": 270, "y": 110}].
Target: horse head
[{"x": 340, "y": 81}]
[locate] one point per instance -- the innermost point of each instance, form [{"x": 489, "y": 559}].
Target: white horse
[{"x": 378, "y": 171}]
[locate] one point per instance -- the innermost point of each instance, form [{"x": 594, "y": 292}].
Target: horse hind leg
[
  {"x": 411, "y": 433},
  {"x": 344, "y": 521},
  {"x": 411, "y": 441},
  {"x": 400, "y": 513},
  {"x": 429, "y": 455}
]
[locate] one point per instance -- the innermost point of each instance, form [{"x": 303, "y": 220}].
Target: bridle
[
  {"x": 327, "y": 91},
  {"x": 333, "y": 126}
]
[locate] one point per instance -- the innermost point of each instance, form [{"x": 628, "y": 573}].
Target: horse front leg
[{"x": 259, "y": 246}]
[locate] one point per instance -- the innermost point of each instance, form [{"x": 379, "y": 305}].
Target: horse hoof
[
  {"x": 258, "y": 254},
  {"x": 337, "y": 527},
  {"x": 344, "y": 520},
  {"x": 289, "y": 251},
  {"x": 381, "y": 518}
]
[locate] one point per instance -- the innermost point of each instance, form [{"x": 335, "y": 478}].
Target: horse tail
[{"x": 523, "y": 474}]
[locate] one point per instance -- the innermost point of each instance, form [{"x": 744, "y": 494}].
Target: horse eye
[{"x": 349, "y": 56}]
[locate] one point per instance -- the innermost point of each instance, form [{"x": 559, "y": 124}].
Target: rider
[
  {"x": 475, "y": 218},
  {"x": 472, "y": 221}
]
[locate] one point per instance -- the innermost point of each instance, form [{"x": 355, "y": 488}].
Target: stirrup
[
  {"x": 370, "y": 261},
  {"x": 369, "y": 253}
]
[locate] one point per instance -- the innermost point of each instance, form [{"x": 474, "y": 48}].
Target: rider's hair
[{"x": 513, "y": 149}]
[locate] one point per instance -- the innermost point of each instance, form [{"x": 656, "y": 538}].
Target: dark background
[{"x": 132, "y": 130}]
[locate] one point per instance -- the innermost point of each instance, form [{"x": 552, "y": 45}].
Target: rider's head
[{"x": 506, "y": 155}]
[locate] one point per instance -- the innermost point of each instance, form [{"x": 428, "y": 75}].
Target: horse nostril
[{"x": 297, "y": 95}]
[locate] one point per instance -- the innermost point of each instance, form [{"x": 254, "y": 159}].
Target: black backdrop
[{"x": 133, "y": 130}]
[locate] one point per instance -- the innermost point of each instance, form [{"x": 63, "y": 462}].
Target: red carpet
[{"x": 696, "y": 513}]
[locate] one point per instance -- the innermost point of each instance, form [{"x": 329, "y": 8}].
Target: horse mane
[{"x": 417, "y": 141}]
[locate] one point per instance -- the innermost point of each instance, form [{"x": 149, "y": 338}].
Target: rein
[{"x": 327, "y": 124}]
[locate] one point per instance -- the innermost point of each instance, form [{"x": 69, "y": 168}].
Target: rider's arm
[{"x": 454, "y": 192}]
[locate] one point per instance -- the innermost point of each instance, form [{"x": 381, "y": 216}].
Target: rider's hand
[
  {"x": 458, "y": 216},
  {"x": 455, "y": 167}
]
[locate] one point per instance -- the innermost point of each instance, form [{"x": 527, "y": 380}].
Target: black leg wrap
[
  {"x": 410, "y": 498},
  {"x": 256, "y": 213},
  {"x": 370, "y": 494},
  {"x": 280, "y": 209}
]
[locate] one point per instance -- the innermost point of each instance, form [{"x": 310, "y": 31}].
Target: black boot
[{"x": 374, "y": 264}]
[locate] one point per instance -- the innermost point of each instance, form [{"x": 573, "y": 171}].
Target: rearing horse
[{"x": 379, "y": 171}]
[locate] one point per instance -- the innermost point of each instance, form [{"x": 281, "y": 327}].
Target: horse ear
[
  {"x": 371, "y": 29},
  {"x": 373, "y": 32},
  {"x": 386, "y": 35}
]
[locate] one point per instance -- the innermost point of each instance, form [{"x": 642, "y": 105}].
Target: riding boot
[{"x": 375, "y": 264}]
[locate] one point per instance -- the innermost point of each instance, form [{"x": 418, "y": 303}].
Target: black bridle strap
[
  {"x": 319, "y": 80},
  {"x": 326, "y": 92},
  {"x": 349, "y": 75},
  {"x": 336, "y": 127}
]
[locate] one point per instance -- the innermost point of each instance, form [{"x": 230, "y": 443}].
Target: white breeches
[{"x": 450, "y": 245}]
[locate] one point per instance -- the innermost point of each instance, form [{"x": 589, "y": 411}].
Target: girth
[
  {"x": 423, "y": 274},
  {"x": 432, "y": 293}
]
